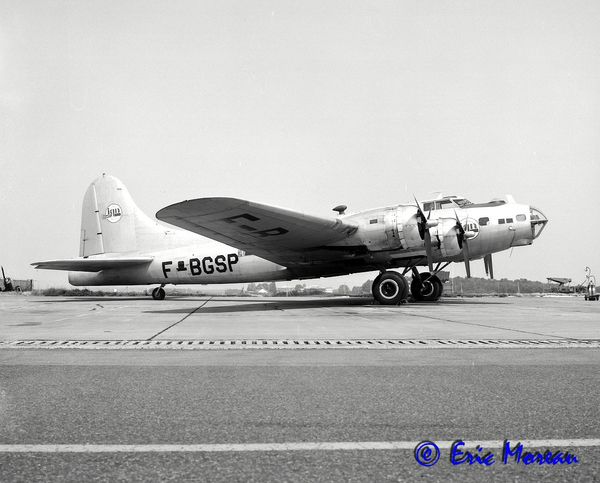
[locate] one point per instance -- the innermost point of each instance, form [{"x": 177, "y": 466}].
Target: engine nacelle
[
  {"x": 444, "y": 241},
  {"x": 377, "y": 229},
  {"x": 444, "y": 238}
]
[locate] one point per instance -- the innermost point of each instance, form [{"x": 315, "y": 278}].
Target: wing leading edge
[{"x": 277, "y": 234}]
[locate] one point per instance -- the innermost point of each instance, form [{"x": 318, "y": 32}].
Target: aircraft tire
[
  {"x": 158, "y": 293},
  {"x": 430, "y": 291},
  {"x": 390, "y": 288}
]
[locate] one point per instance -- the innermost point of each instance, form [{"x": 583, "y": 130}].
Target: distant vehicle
[
  {"x": 7, "y": 284},
  {"x": 562, "y": 285},
  {"x": 120, "y": 245}
]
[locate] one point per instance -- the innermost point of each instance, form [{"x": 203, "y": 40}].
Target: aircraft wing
[
  {"x": 277, "y": 234},
  {"x": 91, "y": 264}
]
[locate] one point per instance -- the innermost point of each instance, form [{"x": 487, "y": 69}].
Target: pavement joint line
[
  {"x": 179, "y": 321},
  {"x": 476, "y": 324},
  {"x": 295, "y": 344},
  {"x": 291, "y": 446}
]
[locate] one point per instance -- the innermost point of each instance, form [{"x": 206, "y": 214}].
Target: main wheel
[
  {"x": 390, "y": 288},
  {"x": 158, "y": 293},
  {"x": 426, "y": 287}
]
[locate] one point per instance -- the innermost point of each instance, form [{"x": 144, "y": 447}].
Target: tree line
[{"x": 454, "y": 286}]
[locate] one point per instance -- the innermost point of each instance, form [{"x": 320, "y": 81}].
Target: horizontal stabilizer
[{"x": 92, "y": 264}]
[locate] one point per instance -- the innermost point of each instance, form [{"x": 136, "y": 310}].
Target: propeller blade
[
  {"x": 489, "y": 267},
  {"x": 460, "y": 235},
  {"x": 462, "y": 243},
  {"x": 466, "y": 257},
  {"x": 420, "y": 219},
  {"x": 459, "y": 224},
  {"x": 428, "y": 250},
  {"x": 422, "y": 225},
  {"x": 417, "y": 202}
]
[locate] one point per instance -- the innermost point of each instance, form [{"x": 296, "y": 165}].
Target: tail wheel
[
  {"x": 390, "y": 288},
  {"x": 158, "y": 293},
  {"x": 426, "y": 287}
]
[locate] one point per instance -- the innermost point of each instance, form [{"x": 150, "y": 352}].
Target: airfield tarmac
[{"x": 271, "y": 389}]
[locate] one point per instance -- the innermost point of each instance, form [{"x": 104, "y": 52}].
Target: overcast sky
[{"x": 305, "y": 105}]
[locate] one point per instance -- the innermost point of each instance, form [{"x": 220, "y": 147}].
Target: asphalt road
[{"x": 165, "y": 397}]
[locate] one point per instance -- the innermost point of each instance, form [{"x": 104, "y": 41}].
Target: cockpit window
[
  {"x": 445, "y": 204},
  {"x": 462, "y": 202}
]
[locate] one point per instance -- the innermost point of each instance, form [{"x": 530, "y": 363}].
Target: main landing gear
[
  {"x": 391, "y": 288},
  {"x": 158, "y": 293},
  {"x": 426, "y": 287}
]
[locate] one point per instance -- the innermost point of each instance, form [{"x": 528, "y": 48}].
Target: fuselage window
[
  {"x": 521, "y": 217},
  {"x": 372, "y": 222},
  {"x": 427, "y": 206},
  {"x": 501, "y": 221},
  {"x": 483, "y": 221},
  {"x": 509, "y": 220}
]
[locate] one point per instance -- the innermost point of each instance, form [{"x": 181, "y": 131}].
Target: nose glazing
[{"x": 538, "y": 222}]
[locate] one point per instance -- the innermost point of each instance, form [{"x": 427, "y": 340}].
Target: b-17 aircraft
[{"x": 253, "y": 242}]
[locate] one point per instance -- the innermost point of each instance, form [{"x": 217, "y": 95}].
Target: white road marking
[{"x": 258, "y": 447}]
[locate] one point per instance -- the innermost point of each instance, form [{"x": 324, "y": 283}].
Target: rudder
[{"x": 112, "y": 223}]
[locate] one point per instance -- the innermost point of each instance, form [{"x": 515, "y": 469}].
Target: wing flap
[
  {"x": 274, "y": 233},
  {"x": 91, "y": 264}
]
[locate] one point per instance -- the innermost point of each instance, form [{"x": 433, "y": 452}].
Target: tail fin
[{"x": 112, "y": 223}]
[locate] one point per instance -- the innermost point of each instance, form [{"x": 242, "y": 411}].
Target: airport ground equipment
[
  {"x": 563, "y": 284},
  {"x": 590, "y": 285},
  {"x": 7, "y": 284}
]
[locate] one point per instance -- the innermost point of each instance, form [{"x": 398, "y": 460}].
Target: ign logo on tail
[{"x": 113, "y": 213}]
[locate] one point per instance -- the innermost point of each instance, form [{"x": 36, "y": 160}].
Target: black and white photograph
[{"x": 299, "y": 241}]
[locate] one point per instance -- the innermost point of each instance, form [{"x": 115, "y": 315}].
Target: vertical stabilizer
[
  {"x": 108, "y": 218},
  {"x": 112, "y": 223}
]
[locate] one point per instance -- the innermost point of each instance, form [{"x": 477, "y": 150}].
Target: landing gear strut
[
  {"x": 158, "y": 293},
  {"x": 390, "y": 288}
]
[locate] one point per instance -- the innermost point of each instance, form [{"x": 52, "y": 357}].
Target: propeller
[
  {"x": 462, "y": 237},
  {"x": 423, "y": 225},
  {"x": 489, "y": 268}
]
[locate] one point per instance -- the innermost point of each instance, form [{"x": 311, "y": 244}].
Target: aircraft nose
[{"x": 538, "y": 222}]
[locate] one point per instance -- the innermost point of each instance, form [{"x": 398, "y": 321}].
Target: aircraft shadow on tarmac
[
  {"x": 63, "y": 300},
  {"x": 262, "y": 305}
]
